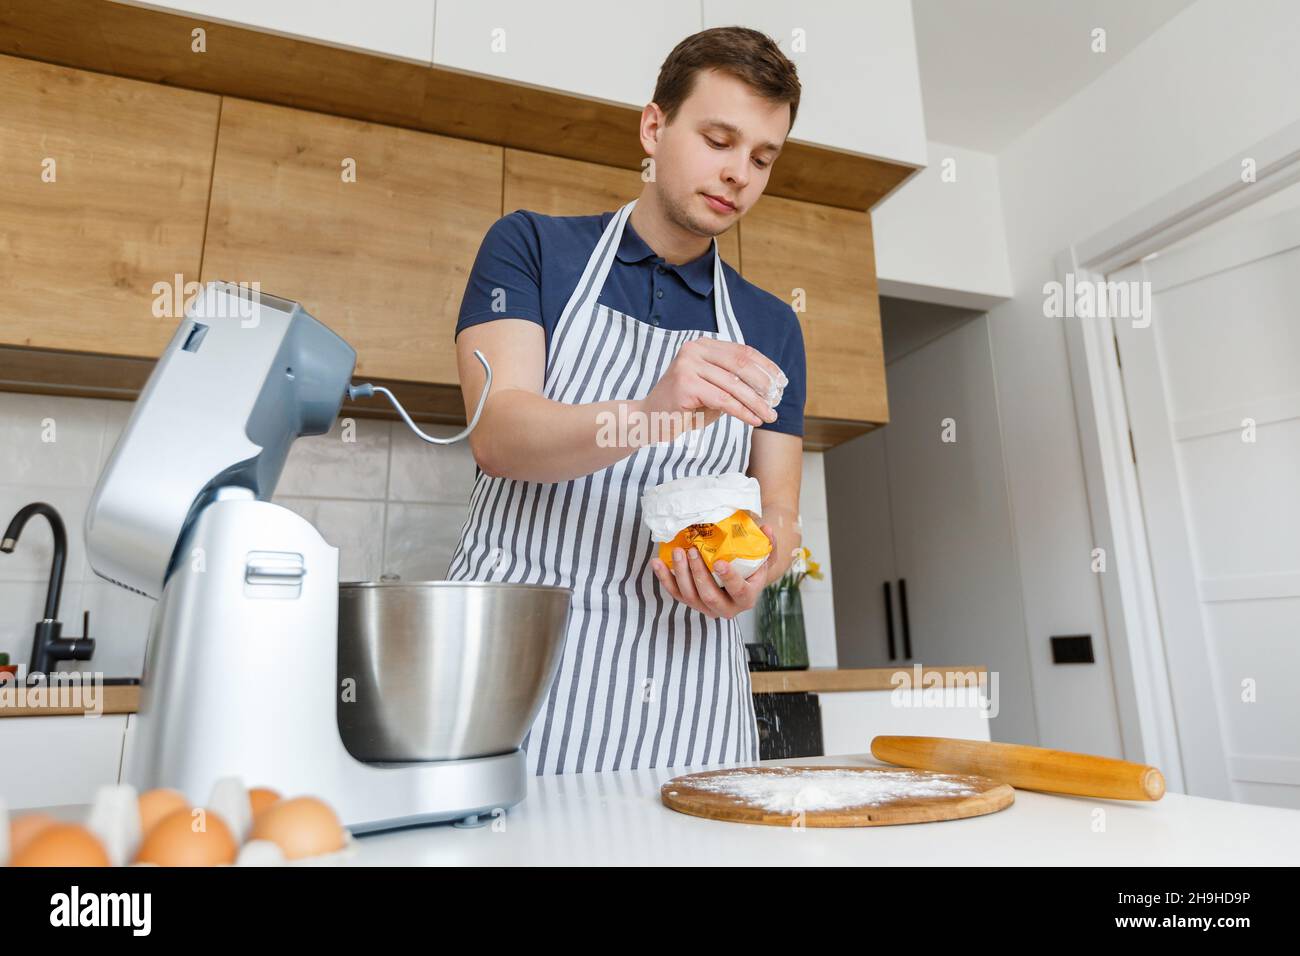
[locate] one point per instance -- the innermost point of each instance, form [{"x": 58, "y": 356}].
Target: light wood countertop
[
  {"x": 125, "y": 698},
  {"x": 68, "y": 701},
  {"x": 827, "y": 679}
]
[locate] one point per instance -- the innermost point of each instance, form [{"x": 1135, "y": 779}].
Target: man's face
[{"x": 722, "y": 143}]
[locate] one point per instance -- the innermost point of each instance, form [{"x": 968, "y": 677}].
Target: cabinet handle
[
  {"x": 907, "y": 628},
  {"x": 889, "y": 620}
]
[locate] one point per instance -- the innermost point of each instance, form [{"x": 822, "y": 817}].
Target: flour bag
[{"x": 713, "y": 513}]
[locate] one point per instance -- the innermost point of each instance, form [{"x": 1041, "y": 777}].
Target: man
[{"x": 631, "y": 318}]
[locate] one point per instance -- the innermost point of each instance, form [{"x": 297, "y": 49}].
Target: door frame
[{"x": 1161, "y": 689}]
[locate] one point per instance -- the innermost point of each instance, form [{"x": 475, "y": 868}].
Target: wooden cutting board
[{"x": 739, "y": 795}]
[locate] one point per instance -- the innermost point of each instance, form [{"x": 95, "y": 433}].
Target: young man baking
[{"x": 632, "y": 313}]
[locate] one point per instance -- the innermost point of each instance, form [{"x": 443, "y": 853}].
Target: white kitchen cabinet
[
  {"x": 400, "y": 29},
  {"x": 937, "y": 523},
  {"x": 857, "y": 61},
  {"x": 850, "y": 719},
  {"x": 940, "y": 237},
  {"x": 857, "y": 495},
  {"x": 608, "y": 51},
  {"x": 46, "y": 761},
  {"x": 857, "y": 65}
]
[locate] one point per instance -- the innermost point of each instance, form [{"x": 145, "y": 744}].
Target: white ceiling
[{"x": 990, "y": 69}]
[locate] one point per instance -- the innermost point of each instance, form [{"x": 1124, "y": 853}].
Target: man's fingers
[
  {"x": 767, "y": 568},
  {"x": 736, "y": 356},
  {"x": 735, "y": 585},
  {"x": 753, "y": 367},
  {"x": 710, "y": 594},
  {"x": 672, "y": 580},
  {"x": 739, "y": 389},
  {"x": 682, "y": 576},
  {"x": 666, "y": 579},
  {"x": 715, "y": 397}
]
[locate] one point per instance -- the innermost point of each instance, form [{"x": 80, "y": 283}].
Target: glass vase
[{"x": 780, "y": 623}]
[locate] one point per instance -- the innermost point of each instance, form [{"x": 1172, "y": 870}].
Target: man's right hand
[{"x": 714, "y": 378}]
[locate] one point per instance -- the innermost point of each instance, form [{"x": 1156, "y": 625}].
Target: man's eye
[{"x": 716, "y": 145}]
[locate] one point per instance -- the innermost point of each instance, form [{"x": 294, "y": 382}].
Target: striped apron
[{"x": 644, "y": 680}]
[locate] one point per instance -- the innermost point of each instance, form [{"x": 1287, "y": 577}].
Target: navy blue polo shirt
[{"x": 535, "y": 262}]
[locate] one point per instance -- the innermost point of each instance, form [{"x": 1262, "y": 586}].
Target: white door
[{"x": 1212, "y": 385}]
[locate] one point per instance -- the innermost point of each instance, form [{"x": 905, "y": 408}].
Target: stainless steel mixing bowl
[{"x": 445, "y": 670}]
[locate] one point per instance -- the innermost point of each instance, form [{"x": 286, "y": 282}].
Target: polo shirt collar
[{"x": 697, "y": 274}]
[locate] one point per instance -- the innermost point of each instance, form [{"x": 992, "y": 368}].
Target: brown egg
[
  {"x": 22, "y": 829},
  {"x": 303, "y": 826},
  {"x": 156, "y": 804},
  {"x": 63, "y": 844},
  {"x": 261, "y": 798},
  {"x": 175, "y": 841}
]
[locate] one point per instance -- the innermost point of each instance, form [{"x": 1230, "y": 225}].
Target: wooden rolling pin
[{"x": 1026, "y": 768}]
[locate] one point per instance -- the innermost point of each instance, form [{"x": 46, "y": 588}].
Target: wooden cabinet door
[
  {"x": 103, "y": 194},
  {"x": 381, "y": 256},
  {"x": 823, "y": 259},
  {"x": 555, "y": 186}
]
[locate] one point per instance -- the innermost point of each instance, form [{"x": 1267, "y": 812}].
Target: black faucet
[{"x": 48, "y": 647}]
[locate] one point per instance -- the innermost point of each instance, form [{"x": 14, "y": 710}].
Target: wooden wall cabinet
[
  {"x": 372, "y": 228},
  {"x": 103, "y": 193},
  {"x": 823, "y": 259}
]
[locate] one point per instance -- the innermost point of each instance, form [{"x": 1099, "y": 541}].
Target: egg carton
[
  {"x": 337, "y": 858},
  {"x": 114, "y": 806}
]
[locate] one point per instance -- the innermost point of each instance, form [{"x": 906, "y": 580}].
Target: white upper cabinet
[
  {"x": 857, "y": 61},
  {"x": 609, "y": 51},
  {"x": 857, "y": 64},
  {"x": 401, "y": 29}
]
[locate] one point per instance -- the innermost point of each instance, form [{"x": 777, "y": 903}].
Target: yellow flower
[{"x": 814, "y": 570}]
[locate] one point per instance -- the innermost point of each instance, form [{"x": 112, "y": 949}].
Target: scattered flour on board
[{"x": 791, "y": 790}]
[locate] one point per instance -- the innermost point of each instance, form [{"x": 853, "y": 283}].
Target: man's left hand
[{"x": 690, "y": 582}]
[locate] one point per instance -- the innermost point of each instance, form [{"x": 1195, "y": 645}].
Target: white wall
[
  {"x": 391, "y": 503},
  {"x": 1215, "y": 79},
  {"x": 51, "y": 450}
]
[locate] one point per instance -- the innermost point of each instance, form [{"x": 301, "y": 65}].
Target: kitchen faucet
[{"x": 48, "y": 646}]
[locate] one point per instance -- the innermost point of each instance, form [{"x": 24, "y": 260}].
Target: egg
[
  {"x": 23, "y": 828},
  {"x": 156, "y": 804},
  {"x": 189, "y": 838},
  {"x": 63, "y": 844},
  {"x": 301, "y": 827},
  {"x": 261, "y": 798}
]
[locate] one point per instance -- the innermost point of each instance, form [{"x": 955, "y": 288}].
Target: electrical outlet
[{"x": 1072, "y": 649}]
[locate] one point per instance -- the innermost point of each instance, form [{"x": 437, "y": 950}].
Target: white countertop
[{"x": 617, "y": 818}]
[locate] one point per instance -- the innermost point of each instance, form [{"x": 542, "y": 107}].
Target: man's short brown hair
[{"x": 746, "y": 54}]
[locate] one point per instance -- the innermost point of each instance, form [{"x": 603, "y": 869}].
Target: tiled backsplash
[{"x": 389, "y": 502}]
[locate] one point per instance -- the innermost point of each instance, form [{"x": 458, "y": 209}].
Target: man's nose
[{"x": 736, "y": 174}]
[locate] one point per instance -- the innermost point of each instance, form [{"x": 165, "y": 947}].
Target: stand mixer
[{"x": 242, "y": 670}]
